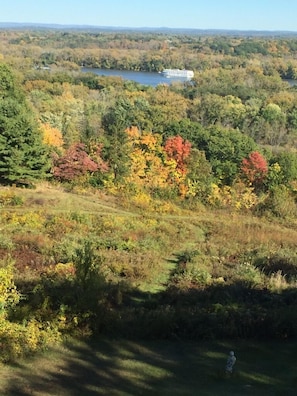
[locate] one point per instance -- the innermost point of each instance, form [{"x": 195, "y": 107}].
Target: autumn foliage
[
  {"x": 178, "y": 149},
  {"x": 147, "y": 167},
  {"x": 52, "y": 136},
  {"x": 254, "y": 168},
  {"x": 76, "y": 163}
]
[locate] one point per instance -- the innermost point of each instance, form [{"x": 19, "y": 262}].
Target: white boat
[{"x": 178, "y": 73}]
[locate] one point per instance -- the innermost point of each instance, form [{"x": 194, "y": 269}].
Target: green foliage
[
  {"x": 7, "y": 84},
  {"x": 283, "y": 262},
  {"x": 10, "y": 198},
  {"x": 9, "y": 296},
  {"x": 249, "y": 274},
  {"x": 280, "y": 202},
  {"x": 224, "y": 149},
  {"x": 23, "y": 158},
  {"x": 190, "y": 277},
  {"x": 287, "y": 161},
  {"x": 186, "y": 256},
  {"x": 199, "y": 176},
  {"x": 185, "y": 128},
  {"x": 250, "y": 47},
  {"x": 115, "y": 123},
  {"x": 87, "y": 265},
  {"x": 89, "y": 279}
]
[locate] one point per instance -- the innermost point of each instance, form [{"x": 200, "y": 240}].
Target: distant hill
[{"x": 164, "y": 30}]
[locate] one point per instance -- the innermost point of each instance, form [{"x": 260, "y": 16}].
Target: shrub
[
  {"x": 191, "y": 277},
  {"x": 9, "y": 296},
  {"x": 249, "y": 274},
  {"x": 186, "y": 256},
  {"x": 19, "y": 340},
  {"x": 9, "y": 198},
  {"x": 280, "y": 203},
  {"x": 88, "y": 276},
  {"x": 238, "y": 197}
]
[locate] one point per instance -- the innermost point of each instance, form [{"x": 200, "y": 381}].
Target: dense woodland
[{"x": 224, "y": 142}]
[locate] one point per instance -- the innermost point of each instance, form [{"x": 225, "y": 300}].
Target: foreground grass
[{"x": 122, "y": 368}]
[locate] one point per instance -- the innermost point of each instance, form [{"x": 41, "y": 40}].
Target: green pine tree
[
  {"x": 115, "y": 123},
  {"x": 23, "y": 157}
]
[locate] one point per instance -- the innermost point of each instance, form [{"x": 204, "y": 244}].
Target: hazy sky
[{"x": 199, "y": 14}]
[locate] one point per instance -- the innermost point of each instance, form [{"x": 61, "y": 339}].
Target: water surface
[{"x": 145, "y": 78}]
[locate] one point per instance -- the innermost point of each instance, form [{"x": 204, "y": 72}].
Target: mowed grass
[{"x": 122, "y": 368}]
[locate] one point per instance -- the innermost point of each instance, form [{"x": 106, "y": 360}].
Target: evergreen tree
[
  {"x": 23, "y": 157},
  {"x": 115, "y": 124}
]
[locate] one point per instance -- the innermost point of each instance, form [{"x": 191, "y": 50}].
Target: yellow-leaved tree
[
  {"x": 154, "y": 167},
  {"x": 51, "y": 136},
  {"x": 147, "y": 167}
]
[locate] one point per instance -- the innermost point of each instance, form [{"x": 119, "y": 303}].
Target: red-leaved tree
[
  {"x": 178, "y": 149},
  {"x": 254, "y": 168},
  {"x": 75, "y": 163}
]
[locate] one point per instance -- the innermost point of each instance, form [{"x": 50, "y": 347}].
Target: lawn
[{"x": 122, "y": 368}]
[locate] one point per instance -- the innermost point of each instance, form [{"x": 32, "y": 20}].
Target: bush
[
  {"x": 280, "y": 203},
  {"x": 9, "y": 198},
  {"x": 19, "y": 340}
]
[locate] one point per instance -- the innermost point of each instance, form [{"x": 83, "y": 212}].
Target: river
[{"x": 145, "y": 78}]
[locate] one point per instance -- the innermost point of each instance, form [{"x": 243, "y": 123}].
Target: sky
[{"x": 272, "y": 15}]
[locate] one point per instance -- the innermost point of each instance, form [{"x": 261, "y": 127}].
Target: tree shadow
[
  {"x": 123, "y": 367},
  {"x": 173, "y": 343}
]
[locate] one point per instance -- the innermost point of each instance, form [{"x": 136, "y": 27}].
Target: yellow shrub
[
  {"x": 9, "y": 295},
  {"x": 18, "y": 340},
  {"x": 32, "y": 220},
  {"x": 61, "y": 271},
  {"x": 142, "y": 200},
  {"x": 9, "y": 198},
  {"x": 238, "y": 197}
]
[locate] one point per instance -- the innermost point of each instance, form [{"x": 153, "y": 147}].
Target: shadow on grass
[
  {"x": 172, "y": 365},
  {"x": 118, "y": 368}
]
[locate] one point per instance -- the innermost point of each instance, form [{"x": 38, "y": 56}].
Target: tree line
[{"x": 78, "y": 127}]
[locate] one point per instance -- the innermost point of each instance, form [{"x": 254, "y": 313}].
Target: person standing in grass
[{"x": 230, "y": 363}]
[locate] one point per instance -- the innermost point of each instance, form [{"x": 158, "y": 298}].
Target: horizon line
[{"x": 74, "y": 25}]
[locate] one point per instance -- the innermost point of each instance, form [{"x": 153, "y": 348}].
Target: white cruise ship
[{"x": 178, "y": 73}]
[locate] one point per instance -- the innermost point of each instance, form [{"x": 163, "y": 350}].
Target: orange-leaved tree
[
  {"x": 178, "y": 149},
  {"x": 254, "y": 168}
]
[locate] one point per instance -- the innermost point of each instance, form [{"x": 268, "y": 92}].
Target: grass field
[{"x": 122, "y": 368}]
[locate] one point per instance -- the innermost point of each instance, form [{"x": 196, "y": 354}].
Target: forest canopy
[{"x": 238, "y": 103}]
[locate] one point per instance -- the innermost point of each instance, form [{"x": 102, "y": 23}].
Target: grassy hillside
[
  {"x": 38, "y": 221},
  {"x": 174, "y": 290},
  {"x": 160, "y": 255}
]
